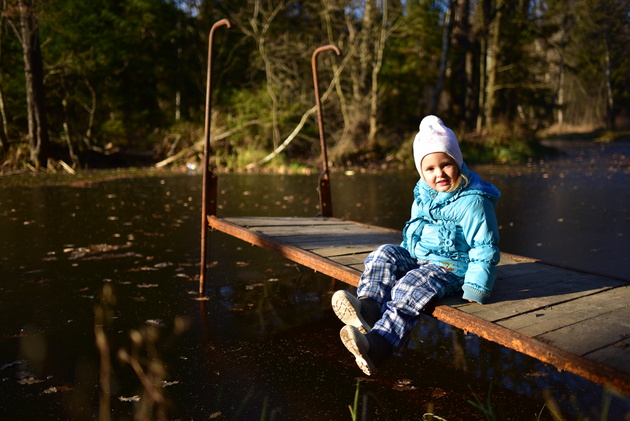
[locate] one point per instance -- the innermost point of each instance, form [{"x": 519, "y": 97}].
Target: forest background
[{"x": 86, "y": 84}]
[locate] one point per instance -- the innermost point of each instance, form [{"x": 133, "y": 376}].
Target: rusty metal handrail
[
  {"x": 325, "y": 199},
  {"x": 209, "y": 189}
]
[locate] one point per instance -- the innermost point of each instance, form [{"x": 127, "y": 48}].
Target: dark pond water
[{"x": 265, "y": 344}]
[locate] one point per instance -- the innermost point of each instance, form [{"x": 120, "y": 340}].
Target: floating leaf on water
[
  {"x": 167, "y": 383},
  {"x": 147, "y": 285},
  {"x": 163, "y": 265},
  {"x": 134, "y": 398},
  {"x": 12, "y": 364},
  {"x": 27, "y": 378},
  {"x": 79, "y": 252},
  {"x": 438, "y": 392},
  {"x": 56, "y": 389},
  {"x": 537, "y": 374}
]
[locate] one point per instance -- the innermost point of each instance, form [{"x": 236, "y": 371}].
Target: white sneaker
[
  {"x": 348, "y": 308},
  {"x": 358, "y": 344}
]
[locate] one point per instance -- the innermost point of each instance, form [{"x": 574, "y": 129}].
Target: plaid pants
[{"x": 403, "y": 287}]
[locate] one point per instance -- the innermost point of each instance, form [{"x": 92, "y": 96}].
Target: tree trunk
[
  {"x": 379, "y": 49},
  {"x": 449, "y": 21},
  {"x": 463, "y": 77},
  {"x": 34, "y": 76},
  {"x": 484, "y": 9},
  {"x": 328, "y": 7},
  {"x": 4, "y": 133},
  {"x": 610, "y": 108},
  {"x": 492, "y": 57},
  {"x": 87, "y": 139}
]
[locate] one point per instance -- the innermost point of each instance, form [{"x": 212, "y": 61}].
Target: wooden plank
[
  {"x": 591, "y": 334},
  {"x": 333, "y": 251},
  {"x": 358, "y": 267},
  {"x": 303, "y": 257},
  {"x": 544, "y": 286},
  {"x": 587, "y": 337},
  {"x": 552, "y": 318},
  {"x": 316, "y": 230},
  {"x": 253, "y": 221},
  {"x": 356, "y": 259},
  {"x": 616, "y": 355},
  {"x": 315, "y": 244}
]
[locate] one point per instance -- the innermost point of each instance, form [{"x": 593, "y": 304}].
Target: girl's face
[{"x": 440, "y": 171}]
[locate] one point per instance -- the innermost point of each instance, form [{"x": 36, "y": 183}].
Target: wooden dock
[{"x": 576, "y": 321}]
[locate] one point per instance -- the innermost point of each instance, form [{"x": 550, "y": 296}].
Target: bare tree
[
  {"x": 364, "y": 29},
  {"x": 257, "y": 25},
  {"x": 4, "y": 133},
  {"x": 34, "y": 74},
  {"x": 492, "y": 62},
  {"x": 449, "y": 21},
  {"x": 379, "y": 52}
]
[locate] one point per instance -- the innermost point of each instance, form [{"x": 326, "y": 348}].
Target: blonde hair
[{"x": 458, "y": 182}]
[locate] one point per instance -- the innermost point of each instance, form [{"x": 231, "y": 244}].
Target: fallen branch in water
[{"x": 197, "y": 147}]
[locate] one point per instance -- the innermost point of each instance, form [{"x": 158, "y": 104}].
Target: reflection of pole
[
  {"x": 325, "y": 200},
  {"x": 209, "y": 189}
]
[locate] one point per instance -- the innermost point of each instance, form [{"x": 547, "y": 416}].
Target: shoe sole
[
  {"x": 359, "y": 346},
  {"x": 348, "y": 310}
]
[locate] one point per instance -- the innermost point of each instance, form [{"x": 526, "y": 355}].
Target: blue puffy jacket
[{"x": 458, "y": 231}]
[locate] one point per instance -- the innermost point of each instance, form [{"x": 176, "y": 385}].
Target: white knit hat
[{"x": 433, "y": 137}]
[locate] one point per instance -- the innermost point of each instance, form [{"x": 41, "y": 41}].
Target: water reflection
[{"x": 265, "y": 341}]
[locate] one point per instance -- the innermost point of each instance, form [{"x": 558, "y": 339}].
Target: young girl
[{"x": 449, "y": 245}]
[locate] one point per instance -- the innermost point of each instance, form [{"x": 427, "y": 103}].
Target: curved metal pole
[
  {"x": 325, "y": 199},
  {"x": 209, "y": 189}
]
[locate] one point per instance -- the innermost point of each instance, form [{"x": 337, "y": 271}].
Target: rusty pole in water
[
  {"x": 325, "y": 200},
  {"x": 209, "y": 189}
]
